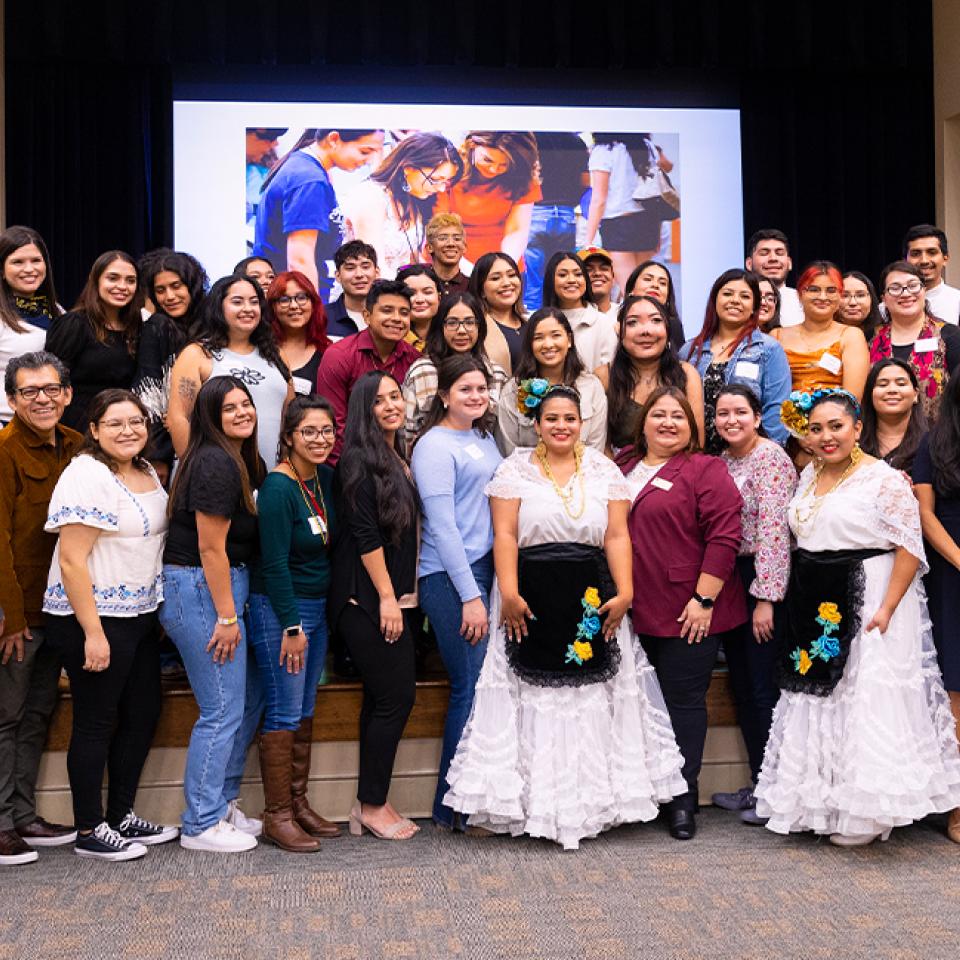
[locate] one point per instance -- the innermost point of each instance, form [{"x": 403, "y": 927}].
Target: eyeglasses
[
  {"x": 311, "y": 433},
  {"x": 825, "y": 291},
  {"x": 441, "y": 183},
  {"x": 51, "y": 390},
  {"x": 768, "y": 298},
  {"x": 899, "y": 289},
  {"x": 447, "y": 237},
  {"x": 855, "y": 295},
  {"x": 452, "y": 325},
  {"x": 301, "y": 299},
  {"x": 116, "y": 426}
]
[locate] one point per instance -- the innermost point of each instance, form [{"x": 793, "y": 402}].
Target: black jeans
[
  {"x": 388, "y": 672},
  {"x": 752, "y": 668},
  {"x": 684, "y": 671},
  {"x": 115, "y": 713}
]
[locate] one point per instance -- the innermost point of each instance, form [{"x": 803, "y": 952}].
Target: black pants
[
  {"x": 752, "y": 668},
  {"x": 684, "y": 671},
  {"x": 115, "y": 713},
  {"x": 388, "y": 672}
]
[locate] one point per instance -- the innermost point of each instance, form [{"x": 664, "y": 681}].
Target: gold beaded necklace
[
  {"x": 804, "y": 521},
  {"x": 566, "y": 498}
]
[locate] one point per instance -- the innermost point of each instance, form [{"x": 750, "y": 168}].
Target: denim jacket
[{"x": 759, "y": 363}]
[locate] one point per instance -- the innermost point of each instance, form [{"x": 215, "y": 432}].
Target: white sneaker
[
  {"x": 237, "y": 818},
  {"x": 222, "y": 837}
]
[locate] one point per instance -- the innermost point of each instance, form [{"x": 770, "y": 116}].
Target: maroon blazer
[{"x": 677, "y": 534}]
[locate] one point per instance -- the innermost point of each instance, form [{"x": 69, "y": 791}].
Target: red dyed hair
[
  {"x": 816, "y": 269},
  {"x": 317, "y": 327}
]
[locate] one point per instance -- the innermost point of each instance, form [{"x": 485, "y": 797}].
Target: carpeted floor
[{"x": 733, "y": 892}]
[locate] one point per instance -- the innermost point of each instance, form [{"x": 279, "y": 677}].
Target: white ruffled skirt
[
  {"x": 564, "y": 763},
  {"x": 881, "y": 750}
]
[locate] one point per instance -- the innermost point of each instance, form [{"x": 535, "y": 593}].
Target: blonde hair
[{"x": 442, "y": 221}]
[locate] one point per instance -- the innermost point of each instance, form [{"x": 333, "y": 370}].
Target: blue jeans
[
  {"x": 552, "y": 228},
  {"x": 440, "y": 601},
  {"x": 222, "y": 733},
  {"x": 290, "y": 697}
]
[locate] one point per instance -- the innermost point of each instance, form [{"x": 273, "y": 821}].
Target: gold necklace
[
  {"x": 566, "y": 498},
  {"x": 804, "y": 521}
]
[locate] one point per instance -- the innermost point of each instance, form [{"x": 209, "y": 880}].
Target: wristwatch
[
  {"x": 293, "y": 631},
  {"x": 705, "y": 602}
]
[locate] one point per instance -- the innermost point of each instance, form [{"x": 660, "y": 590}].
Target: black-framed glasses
[
  {"x": 311, "y": 433},
  {"x": 452, "y": 325},
  {"x": 301, "y": 299},
  {"x": 899, "y": 289},
  {"x": 51, "y": 390}
]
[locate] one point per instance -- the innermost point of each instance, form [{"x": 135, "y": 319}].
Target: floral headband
[{"x": 795, "y": 410}]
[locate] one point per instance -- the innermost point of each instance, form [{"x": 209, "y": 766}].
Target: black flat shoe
[{"x": 682, "y": 823}]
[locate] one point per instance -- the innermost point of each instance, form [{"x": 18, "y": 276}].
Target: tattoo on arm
[{"x": 188, "y": 389}]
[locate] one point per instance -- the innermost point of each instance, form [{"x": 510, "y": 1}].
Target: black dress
[
  {"x": 94, "y": 365},
  {"x": 943, "y": 581}
]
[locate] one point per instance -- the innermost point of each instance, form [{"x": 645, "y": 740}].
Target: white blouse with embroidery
[{"x": 125, "y": 561}]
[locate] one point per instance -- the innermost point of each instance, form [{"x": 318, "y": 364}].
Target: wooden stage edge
[{"x": 338, "y": 711}]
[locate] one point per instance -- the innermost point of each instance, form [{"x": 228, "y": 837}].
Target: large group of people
[{"x": 584, "y": 507}]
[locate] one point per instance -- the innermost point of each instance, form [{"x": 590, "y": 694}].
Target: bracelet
[{"x": 227, "y": 621}]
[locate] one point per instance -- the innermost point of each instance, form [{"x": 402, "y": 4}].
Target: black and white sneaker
[
  {"x": 138, "y": 830},
  {"x": 106, "y": 844}
]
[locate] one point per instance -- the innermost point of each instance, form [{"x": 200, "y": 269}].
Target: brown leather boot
[
  {"x": 309, "y": 820},
  {"x": 279, "y": 826}
]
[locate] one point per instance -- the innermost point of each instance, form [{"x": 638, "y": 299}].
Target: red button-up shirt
[{"x": 345, "y": 362}]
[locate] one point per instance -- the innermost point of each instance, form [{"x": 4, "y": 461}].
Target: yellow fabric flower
[
  {"x": 592, "y": 597},
  {"x": 805, "y": 662},
  {"x": 794, "y": 419},
  {"x": 583, "y": 649},
  {"x": 829, "y": 612}
]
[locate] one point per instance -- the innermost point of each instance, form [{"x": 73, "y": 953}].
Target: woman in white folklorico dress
[
  {"x": 862, "y": 739},
  {"x": 569, "y": 734}
]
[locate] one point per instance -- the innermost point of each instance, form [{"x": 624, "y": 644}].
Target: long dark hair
[
  {"x": 623, "y": 374},
  {"x": 945, "y": 442},
  {"x": 550, "y": 298},
  {"x": 640, "y": 441},
  {"x": 637, "y": 144},
  {"x": 711, "y": 321},
  {"x": 206, "y": 428},
  {"x": 902, "y": 457},
  {"x": 527, "y": 364},
  {"x": 449, "y": 371},
  {"x": 194, "y": 277},
  {"x": 421, "y": 151},
  {"x": 481, "y": 270},
  {"x": 90, "y": 303},
  {"x": 519, "y": 146},
  {"x": 212, "y": 332},
  {"x": 874, "y": 318},
  {"x": 98, "y": 407},
  {"x": 11, "y": 240},
  {"x": 293, "y": 416},
  {"x": 366, "y": 454},
  {"x": 437, "y": 348},
  {"x": 312, "y": 135}
]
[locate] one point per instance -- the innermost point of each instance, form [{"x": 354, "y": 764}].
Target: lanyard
[{"x": 317, "y": 510}]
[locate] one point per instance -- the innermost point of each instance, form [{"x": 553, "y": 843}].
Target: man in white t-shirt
[
  {"x": 768, "y": 254},
  {"x": 356, "y": 266},
  {"x": 599, "y": 266},
  {"x": 925, "y": 246}
]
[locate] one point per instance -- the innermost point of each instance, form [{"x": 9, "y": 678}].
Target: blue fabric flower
[
  {"x": 591, "y": 625},
  {"x": 539, "y": 386},
  {"x": 531, "y": 402}
]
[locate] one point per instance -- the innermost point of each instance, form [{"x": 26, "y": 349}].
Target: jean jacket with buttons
[{"x": 760, "y": 364}]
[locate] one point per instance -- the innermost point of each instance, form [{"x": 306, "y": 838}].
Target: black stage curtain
[{"x": 836, "y": 98}]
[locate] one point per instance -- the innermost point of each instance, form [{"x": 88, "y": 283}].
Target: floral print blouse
[{"x": 767, "y": 480}]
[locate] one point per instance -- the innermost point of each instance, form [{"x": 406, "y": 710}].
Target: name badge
[
  {"x": 661, "y": 484},
  {"x": 474, "y": 451},
  {"x": 302, "y": 386},
  {"x": 317, "y": 526},
  {"x": 926, "y": 345},
  {"x": 747, "y": 369},
  {"x": 830, "y": 362}
]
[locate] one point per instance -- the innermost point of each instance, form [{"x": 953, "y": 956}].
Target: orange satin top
[{"x": 806, "y": 372}]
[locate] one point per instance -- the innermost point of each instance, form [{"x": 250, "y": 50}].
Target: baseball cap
[{"x": 587, "y": 253}]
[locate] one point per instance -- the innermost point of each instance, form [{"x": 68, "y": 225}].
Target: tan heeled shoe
[{"x": 358, "y": 825}]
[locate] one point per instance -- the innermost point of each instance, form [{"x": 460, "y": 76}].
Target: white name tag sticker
[
  {"x": 317, "y": 527},
  {"x": 474, "y": 451},
  {"x": 661, "y": 484},
  {"x": 302, "y": 386},
  {"x": 748, "y": 369},
  {"x": 830, "y": 362},
  {"x": 926, "y": 345}
]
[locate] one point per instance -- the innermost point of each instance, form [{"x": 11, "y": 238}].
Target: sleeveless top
[
  {"x": 806, "y": 372},
  {"x": 268, "y": 388},
  {"x": 623, "y": 429}
]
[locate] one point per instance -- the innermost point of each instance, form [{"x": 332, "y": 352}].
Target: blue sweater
[{"x": 451, "y": 469}]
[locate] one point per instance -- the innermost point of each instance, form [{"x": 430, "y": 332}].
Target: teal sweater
[{"x": 293, "y": 561}]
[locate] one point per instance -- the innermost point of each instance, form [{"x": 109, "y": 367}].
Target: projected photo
[
  {"x": 527, "y": 193},
  {"x": 529, "y": 179}
]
